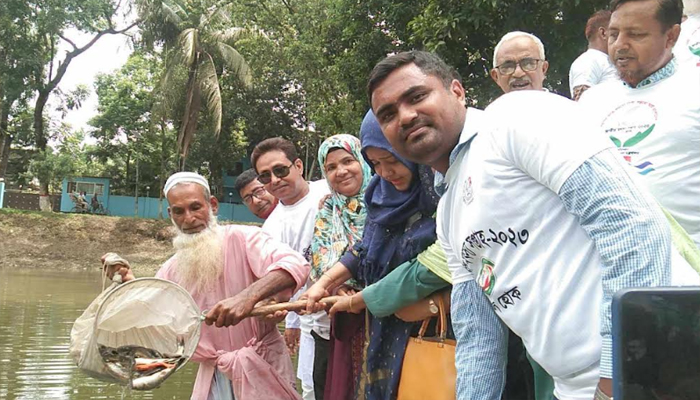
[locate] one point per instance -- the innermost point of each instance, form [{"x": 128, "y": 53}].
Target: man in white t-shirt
[
  {"x": 519, "y": 62},
  {"x": 687, "y": 49},
  {"x": 540, "y": 221},
  {"x": 653, "y": 116},
  {"x": 292, "y": 222},
  {"x": 593, "y": 67}
]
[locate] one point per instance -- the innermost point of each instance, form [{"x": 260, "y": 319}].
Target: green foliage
[
  {"x": 130, "y": 130},
  {"x": 261, "y": 69},
  {"x": 51, "y": 168},
  {"x": 200, "y": 41}
]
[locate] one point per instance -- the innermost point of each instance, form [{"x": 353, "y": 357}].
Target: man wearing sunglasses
[
  {"x": 258, "y": 200},
  {"x": 292, "y": 222},
  {"x": 519, "y": 63}
]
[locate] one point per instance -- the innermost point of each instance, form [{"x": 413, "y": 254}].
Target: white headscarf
[{"x": 185, "y": 177}]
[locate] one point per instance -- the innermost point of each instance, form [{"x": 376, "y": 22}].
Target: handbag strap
[{"x": 442, "y": 321}]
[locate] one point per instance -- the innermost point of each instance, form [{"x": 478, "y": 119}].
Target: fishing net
[{"x": 137, "y": 333}]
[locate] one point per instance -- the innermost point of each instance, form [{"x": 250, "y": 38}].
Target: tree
[
  {"x": 21, "y": 65},
  {"x": 70, "y": 158},
  {"x": 199, "y": 40},
  {"x": 130, "y": 129},
  {"x": 52, "y": 19}
]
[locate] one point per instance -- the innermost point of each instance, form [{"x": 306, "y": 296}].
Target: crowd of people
[{"x": 523, "y": 219}]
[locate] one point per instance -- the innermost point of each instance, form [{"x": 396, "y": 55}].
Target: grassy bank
[{"x": 59, "y": 241}]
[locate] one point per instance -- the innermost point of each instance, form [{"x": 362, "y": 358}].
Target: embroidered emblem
[
  {"x": 468, "y": 192},
  {"x": 487, "y": 278}
]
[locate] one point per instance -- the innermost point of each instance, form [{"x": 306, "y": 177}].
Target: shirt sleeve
[
  {"x": 628, "y": 229},
  {"x": 409, "y": 282},
  {"x": 351, "y": 258},
  {"x": 482, "y": 344},
  {"x": 583, "y": 72},
  {"x": 265, "y": 254}
]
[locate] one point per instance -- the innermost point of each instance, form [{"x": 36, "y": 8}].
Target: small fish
[
  {"x": 139, "y": 367},
  {"x": 151, "y": 381}
]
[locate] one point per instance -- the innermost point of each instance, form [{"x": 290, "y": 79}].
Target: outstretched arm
[{"x": 233, "y": 310}]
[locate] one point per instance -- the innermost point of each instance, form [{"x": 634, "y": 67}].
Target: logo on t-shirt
[
  {"x": 486, "y": 278},
  {"x": 468, "y": 192},
  {"x": 694, "y": 42},
  {"x": 628, "y": 125}
]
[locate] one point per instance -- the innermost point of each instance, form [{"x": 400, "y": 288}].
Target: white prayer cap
[{"x": 185, "y": 177}]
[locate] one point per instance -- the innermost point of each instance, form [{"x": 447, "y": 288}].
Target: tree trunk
[
  {"x": 41, "y": 141},
  {"x": 5, "y": 137},
  {"x": 190, "y": 117},
  {"x": 217, "y": 177},
  {"x": 5, "y": 155},
  {"x": 136, "y": 190},
  {"x": 163, "y": 162}
]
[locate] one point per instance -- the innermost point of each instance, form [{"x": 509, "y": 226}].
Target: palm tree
[{"x": 198, "y": 38}]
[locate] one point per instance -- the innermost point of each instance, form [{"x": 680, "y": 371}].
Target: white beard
[{"x": 200, "y": 258}]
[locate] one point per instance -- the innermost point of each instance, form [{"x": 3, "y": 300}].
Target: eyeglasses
[
  {"x": 526, "y": 64},
  {"x": 257, "y": 193},
  {"x": 280, "y": 171}
]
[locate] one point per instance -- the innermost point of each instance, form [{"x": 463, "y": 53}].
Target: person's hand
[
  {"x": 605, "y": 386},
  {"x": 274, "y": 318},
  {"x": 345, "y": 290},
  {"x": 323, "y": 201},
  {"x": 229, "y": 312},
  {"x": 291, "y": 337},
  {"x": 114, "y": 269},
  {"x": 312, "y": 296},
  {"x": 354, "y": 304}
]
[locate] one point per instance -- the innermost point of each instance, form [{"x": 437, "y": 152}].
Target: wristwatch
[{"x": 432, "y": 306}]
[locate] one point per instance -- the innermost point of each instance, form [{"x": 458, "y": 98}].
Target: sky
[{"x": 108, "y": 54}]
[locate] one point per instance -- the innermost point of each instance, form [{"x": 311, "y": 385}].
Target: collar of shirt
[
  {"x": 663, "y": 73},
  {"x": 469, "y": 131}
]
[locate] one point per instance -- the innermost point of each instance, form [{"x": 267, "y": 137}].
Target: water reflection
[{"x": 37, "y": 310}]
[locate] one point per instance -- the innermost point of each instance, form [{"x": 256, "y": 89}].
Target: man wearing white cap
[{"x": 227, "y": 270}]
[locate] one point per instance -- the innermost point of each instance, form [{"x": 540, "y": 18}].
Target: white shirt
[
  {"x": 687, "y": 48},
  {"x": 501, "y": 215},
  {"x": 667, "y": 160},
  {"x": 591, "y": 68},
  {"x": 294, "y": 225}
]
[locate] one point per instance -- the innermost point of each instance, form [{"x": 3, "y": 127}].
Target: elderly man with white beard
[{"x": 227, "y": 270}]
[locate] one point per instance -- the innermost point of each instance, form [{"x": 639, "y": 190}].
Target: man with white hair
[
  {"x": 519, "y": 62},
  {"x": 687, "y": 49},
  {"x": 227, "y": 270}
]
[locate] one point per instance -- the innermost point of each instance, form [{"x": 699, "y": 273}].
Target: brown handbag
[{"x": 428, "y": 371}]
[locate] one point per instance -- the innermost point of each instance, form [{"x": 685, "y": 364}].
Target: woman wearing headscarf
[
  {"x": 399, "y": 225},
  {"x": 339, "y": 225}
]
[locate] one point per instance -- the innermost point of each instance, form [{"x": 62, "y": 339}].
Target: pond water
[{"x": 37, "y": 311}]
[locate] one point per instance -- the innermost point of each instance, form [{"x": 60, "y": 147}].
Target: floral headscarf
[{"x": 339, "y": 224}]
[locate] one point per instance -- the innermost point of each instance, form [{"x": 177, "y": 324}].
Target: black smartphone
[{"x": 656, "y": 344}]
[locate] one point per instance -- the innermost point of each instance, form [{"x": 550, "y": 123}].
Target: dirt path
[{"x": 76, "y": 242}]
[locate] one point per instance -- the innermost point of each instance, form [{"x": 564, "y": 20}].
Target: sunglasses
[
  {"x": 526, "y": 64},
  {"x": 280, "y": 171}
]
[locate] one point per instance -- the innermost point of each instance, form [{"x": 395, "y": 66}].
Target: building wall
[
  {"x": 147, "y": 207},
  {"x": 26, "y": 201},
  {"x": 67, "y": 203}
]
